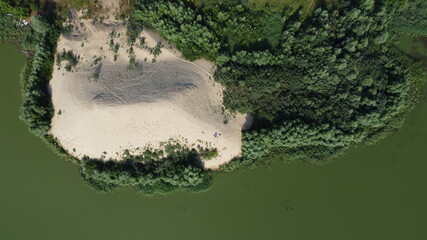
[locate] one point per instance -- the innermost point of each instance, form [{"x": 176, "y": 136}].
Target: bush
[
  {"x": 9, "y": 31},
  {"x": 16, "y": 12},
  {"x": 70, "y": 57},
  {"x": 150, "y": 172}
]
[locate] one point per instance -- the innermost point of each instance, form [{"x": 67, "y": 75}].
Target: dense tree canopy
[
  {"x": 211, "y": 29},
  {"x": 316, "y": 85},
  {"x": 149, "y": 173},
  {"x": 336, "y": 83},
  {"x": 37, "y": 109}
]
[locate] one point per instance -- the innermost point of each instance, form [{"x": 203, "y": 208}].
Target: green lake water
[{"x": 377, "y": 192}]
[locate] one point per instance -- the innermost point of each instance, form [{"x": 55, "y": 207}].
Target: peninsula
[{"x": 159, "y": 95}]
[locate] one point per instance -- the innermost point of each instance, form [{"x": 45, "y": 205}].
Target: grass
[
  {"x": 278, "y": 5},
  {"x": 415, "y": 47},
  {"x": 290, "y": 6}
]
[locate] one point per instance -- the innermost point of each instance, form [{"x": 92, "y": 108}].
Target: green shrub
[
  {"x": 150, "y": 172},
  {"x": 70, "y": 57},
  {"x": 37, "y": 110}
]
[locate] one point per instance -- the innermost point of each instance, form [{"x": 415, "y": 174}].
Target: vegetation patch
[
  {"x": 37, "y": 110},
  {"x": 68, "y": 56},
  {"x": 154, "y": 171}
]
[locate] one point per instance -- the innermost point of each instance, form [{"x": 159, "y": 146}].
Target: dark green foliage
[
  {"x": 149, "y": 173},
  {"x": 31, "y": 40},
  {"x": 11, "y": 28},
  {"x": 68, "y": 56},
  {"x": 211, "y": 29},
  {"x": 97, "y": 60},
  {"x": 39, "y": 40},
  {"x": 34, "y": 7},
  {"x": 99, "y": 186},
  {"x": 238, "y": 164},
  {"x": 332, "y": 86},
  {"x": 53, "y": 144},
  {"x": 37, "y": 108},
  {"x": 181, "y": 25},
  {"x": 116, "y": 48},
  {"x": 134, "y": 28},
  {"x": 67, "y": 29},
  {"x": 25, "y": 6},
  {"x": 15, "y": 11},
  {"x": 315, "y": 85},
  {"x": 157, "y": 49},
  {"x": 154, "y": 172},
  {"x": 8, "y": 29},
  {"x": 238, "y": 28},
  {"x": 207, "y": 153}
]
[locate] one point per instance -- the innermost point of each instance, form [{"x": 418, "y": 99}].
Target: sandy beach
[{"x": 106, "y": 104}]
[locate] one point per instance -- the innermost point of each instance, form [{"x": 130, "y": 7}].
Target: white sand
[{"x": 139, "y": 107}]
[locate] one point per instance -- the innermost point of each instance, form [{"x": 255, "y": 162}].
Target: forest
[
  {"x": 317, "y": 80},
  {"x": 316, "y": 85}
]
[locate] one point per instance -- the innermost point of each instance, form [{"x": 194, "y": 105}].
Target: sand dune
[{"x": 105, "y": 106}]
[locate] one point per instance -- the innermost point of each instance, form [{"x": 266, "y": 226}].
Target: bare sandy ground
[{"x": 105, "y": 106}]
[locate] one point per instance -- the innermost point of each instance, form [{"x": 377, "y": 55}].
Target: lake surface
[{"x": 377, "y": 192}]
